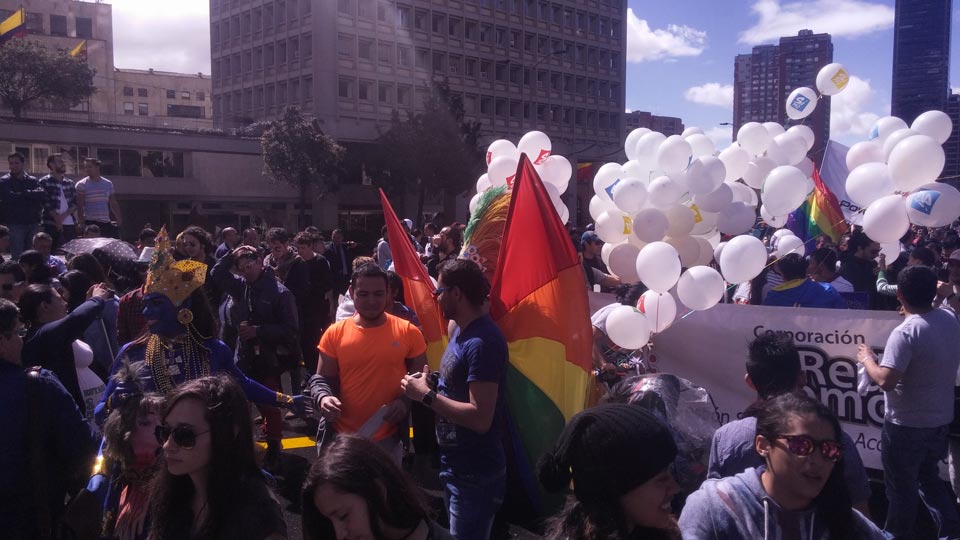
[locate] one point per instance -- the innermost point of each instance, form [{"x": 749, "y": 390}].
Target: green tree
[
  {"x": 33, "y": 74},
  {"x": 297, "y": 152},
  {"x": 433, "y": 150}
]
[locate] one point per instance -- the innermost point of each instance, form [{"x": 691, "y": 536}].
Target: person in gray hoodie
[{"x": 798, "y": 494}]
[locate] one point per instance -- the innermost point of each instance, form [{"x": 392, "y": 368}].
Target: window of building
[
  {"x": 385, "y": 53},
  {"x": 437, "y": 25},
  {"x": 190, "y": 111},
  {"x": 294, "y": 48},
  {"x": 615, "y": 29},
  {"x": 453, "y": 64},
  {"x": 453, "y": 27},
  {"x": 423, "y": 58},
  {"x": 486, "y": 33},
  {"x": 258, "y": 97},
  {"x": 345, "y": 45},
  {"x": 501, "y": 73},
  {"x": 470, "y": 104},
  {"x": 185, "y": 95},
  {"x": 128, "y": 90},
  {"x": 470, "y": 67},
  {"x": 282, "y": 92},
  {"x": 403, "y": 95},
  {"x": 258, "y": 58},
  {"x": 501, "y": 107},
  {"x": 501, "y": 36},
  {"x": 384, "y": 91},
  {"x": 258, "y": 19},
  {"x": 484, "y": 69},
  {"x": 470, "y": 30},
  {"x": 365, "y": 90},
  {"x": 282, "y": 52},
  {"x": 171, "y": 94},
  {"x": 366, "y": 9},
  {"x": 345, "y": 7},
  {"x": 306, "y": 45},
  {"x": 404, "y": 17},
  {"x": 516, "y": 73},
  {"x": 201, "y": 96},
  {"x": 245, "y": 23},
  {"x": 305, "y": 7},
  {"x": 58, "y": 25},
  {"x": 128, "y": 108},
  {"x": 281, "y": 14},
  {"x": 486, "y": 105},
  {"x": 307, "y": 88},
  {"x": 366, "y": 49},
  {"x": 294, "y": 89},
  {"x": 438, "y": 62},
  {"x": 403, "y": 56},
  {"x": 345, "y": 88},
  {"x": 34, "y": 23},
  {"x": 142, "y": 92},
  {"x": 268, "y": 16},
  {"x": 268, "y": 55},
  {"x": 382, "y": 13},
  {"x": 143, "y": 109},
  {"x": 420, "y": 19},
  {"x": 271, "y": 96}
]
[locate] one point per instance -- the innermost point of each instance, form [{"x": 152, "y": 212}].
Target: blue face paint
[{"x": 161, "y": 315}]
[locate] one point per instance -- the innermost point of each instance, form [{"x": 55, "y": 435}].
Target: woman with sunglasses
[
  {"x": 798, "y": 493},
  {"x": 209, "y": 485}
]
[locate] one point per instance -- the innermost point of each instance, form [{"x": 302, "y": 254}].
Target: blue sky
[
  {"x": 681, "y": 55},
  {"x": 680, "y": 52}
]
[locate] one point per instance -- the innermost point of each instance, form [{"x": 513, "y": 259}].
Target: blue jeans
[
  {"x": 21, "y": 238},
  {"x": 910, "y": 468},
  {"x": 472, "y": 502}
]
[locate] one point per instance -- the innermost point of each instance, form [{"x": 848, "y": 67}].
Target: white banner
[
  {"x": 709, "y": 348},
  {"x": 833, "y": 172}
]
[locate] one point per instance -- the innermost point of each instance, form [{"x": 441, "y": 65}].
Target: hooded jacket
[{"x": 737, "y": 507}]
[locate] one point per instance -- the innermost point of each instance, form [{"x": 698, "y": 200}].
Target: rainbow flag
[
  {"x": 819, "y": 214},
  {"x": 539, "y": 301},
  {"x": 417, "y": 285},
  {"x": 13, "y": 26}
]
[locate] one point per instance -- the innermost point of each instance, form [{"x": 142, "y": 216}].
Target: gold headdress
[{"x": 174, "y": 279}]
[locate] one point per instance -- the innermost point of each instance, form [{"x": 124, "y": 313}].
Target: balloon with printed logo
[
  {"x": 483, "y": 183},
  {"x": 757, "y": 171},
  {"x": 607, "y": 176},
  {"x": 557, "y": 170},
  {"x": 502, "y": 147},
  {"x": 935, "y": 124},
  {"x": 700, "y": 288},
  {"x": 743, "y": 258},
  {"x": 806, "y": 133},
  {"x": 705, "y": 175},
  {"x": 916, "y": 161},
  {"x": 687, "y": 248},
  {"x": 659, "y": 308},
  {"x": 663, "y": 192},
  {"x": 613, "y": 226},
  {"x": 801, "y": 103},
  {"x": 658, "y": 266},
  {"x": 735, "y": 161},
  {"x": 886, "y": 219},
  {"x": 680, "y": 219},
  {"x": 599, "y": 206},
  {"x": 754, "y": 138},
  {"x": 864, "y": 152},
  {"x": 629, "y": 195},
  {"x": 784, "y": 190},
  {"x": 630, "y": 144},
  {"x": 832, "y": 79},
  {"x": 869, "y": 182},
  {"x": 794, "y": 147},
  {"x": 700, "y": 144},
  {"x": 650, "y": 225},
  {"x": 774, "y": 129},
  {"x": 884, "y": 127},
  {"x": 744, "y": 194},
  {"x": 933, "y": 205},
  {"x": 623, "y": 262},
  {"x": 716, "y": 200},
  {"x": 647, "y": 147},
  {"x": 674, "y": 154},
  {"x": 536, "y": 145},
  {"x": 627, "y": 328},
  {"x": 790, "y": 244},
  {"x": 736, "y": 218},
  {"x": 772, "y": 220},
  {"x": 502, "y": 171}
]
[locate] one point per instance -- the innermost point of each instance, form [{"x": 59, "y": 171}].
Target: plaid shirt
[{"x": 51, "y": 199}]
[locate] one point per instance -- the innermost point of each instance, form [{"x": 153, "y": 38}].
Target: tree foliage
[
  {"x": 31, "y": 74},
  {"x": 297, "y": 152}
]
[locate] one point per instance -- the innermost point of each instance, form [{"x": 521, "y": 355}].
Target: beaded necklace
[{"x": 160, "y": 354}]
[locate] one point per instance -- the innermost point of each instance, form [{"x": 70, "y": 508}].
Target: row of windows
[
  {"x": 171, "y": 94},
  {"x": 256, "y": 20},
  {"x": 292, "y": 90},
  {"x": 276, "y": 53},
  {"x": 58, "y": 24},
  {"x": 132, "y": 162},
  {"x": 178, "y": 111}
]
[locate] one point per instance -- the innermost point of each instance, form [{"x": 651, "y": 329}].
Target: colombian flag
[
  {"x": 539, "y": 301},
  {"x": 14, "y": 26},
  {"x": 820, "y": 214},
  {"x": 417, "y": 285}
]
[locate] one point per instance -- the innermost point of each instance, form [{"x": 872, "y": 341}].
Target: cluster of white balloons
[
  {"x": 503, "y": 157},
  {"x": 893, "y": 176}
]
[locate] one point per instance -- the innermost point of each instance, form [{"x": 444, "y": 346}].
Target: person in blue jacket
[{"x": 799, "y": 291}]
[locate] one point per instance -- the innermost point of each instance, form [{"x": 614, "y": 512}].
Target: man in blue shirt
[
  {"x": 469, "y": 401},
  {"x": 799, "y": 291}
]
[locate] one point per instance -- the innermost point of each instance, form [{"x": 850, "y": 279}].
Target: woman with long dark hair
[
  {"x": 799, "y": 492},
  {"x": 209, "y": 485},
  {"x": 101, "y": 335},
  {"x": 356, "y": 490}
]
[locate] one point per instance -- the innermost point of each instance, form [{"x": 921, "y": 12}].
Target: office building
[
  {"x": 174, "y": 100},
  {"x": 668, "y": 125},
  {"x": 921, "y": 57}
]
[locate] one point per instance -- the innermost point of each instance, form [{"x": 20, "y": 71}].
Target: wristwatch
[{"x": 429, "y": 397}]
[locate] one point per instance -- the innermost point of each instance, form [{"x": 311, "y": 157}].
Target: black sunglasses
[
  {"x": 183, "y": 436},
  {"x": 804, "y": 445}
]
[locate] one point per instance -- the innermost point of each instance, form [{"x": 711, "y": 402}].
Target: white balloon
[
  {"x": 745, "y": 194},
  {"x": 801, "y": 103},
  {"x": 705, "y": 175},
  {"x": 502, "y": 171},
  {"x": 790, "y": 244},
  {"x": 623, "y": 262},
  {"x": 636, "y": 169},
  {"x": 716, "y": 200},
  {"x": 536, "y": 145},
  {"x": 630, "y": 144},
  {"x": 663, "y": 192},
  {"x": 706, "y": 251},
  {"x": 754, "y": 138},
  {"x": 869, "y": 182},
  {"x": 612, "y": 226},
  {"x": 633, "y": 240},
  {"x": 483, "y": 183},
  {"x": 628, "y": 328},
  {"x": 718, "y": 250},
  {"x": 674, "y": 154},
  {"x": 706, "y": 221},
  {"x": 712, "y": 237},
  {"x": 916, "y": 161},
  {"x": 793, "y": 145},
  {"x": 895, "y": 138},
  {"x": 777, "y": 235},
  {"x": 607, "y": 175},
  {"x": 864, "y": 152},
  {"x": 743, "y": 258},
  {"x": 770, "y": 219},
  {"x": 557, "y": 171},
  {"x": 832, "y": 79},
  {"x": 773, "y": 128},
  {"x": 700, "y": 144},
  {"x": 885, "y": 126},
  {"x": 933, "y": 205},
  {"x": 735, "y": 161},
  {"x": 681, "y": 220},
  {"x": 700, "y": 288},
  {"x": 659, "y": 308},
  {"x": 806, "y": 133},
  {"x": 650, "y": 225},
  {"x": 890, "y": 251},
  {"x": 599, "y": 206},
  {"x": 691, "y": 131},
  {"x": 687, "y": 247},
  {"x": 629, "y": 195},
  {"x": 886, "y": 219},
  {"x": 736, "y": 218},
  {"x": 935, "y": 124},
  {"x": 647, "y": 148},
  {"x": 777, "y": 154},
  {"x": 473, "y": 203},
  {"x": 658, "y": 266},
  {"x": 605, "y": 253},
  {"x": 502, "y": 147},
  {"x": 757, "y": 171},
  {"x": 564, "y": 214},
  {"x": 784, "y": 190}
]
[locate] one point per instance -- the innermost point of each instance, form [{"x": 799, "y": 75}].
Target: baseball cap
[{"x": 588, "y": 237}]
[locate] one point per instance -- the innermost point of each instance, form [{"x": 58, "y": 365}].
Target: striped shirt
[{"x": 96, "y": 199}]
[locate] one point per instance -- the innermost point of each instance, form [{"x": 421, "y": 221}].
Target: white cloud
[
  {"x": 840, "y": 18},
  {"x": 848, "y": 114},
  {"x": 721, "y": 136},
  {"x": 720, "y": 95},
  {"x": 645, "y": 44},
  {"x": 173, "y": 35}
]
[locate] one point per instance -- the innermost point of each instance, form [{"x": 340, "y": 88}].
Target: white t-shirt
[
  {"x": 90, "y": 385},
  {"x": 63, "y": 206}
]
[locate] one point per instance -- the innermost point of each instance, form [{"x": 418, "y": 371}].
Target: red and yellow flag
[
  {"x": 13, "y": 26},
  {"x": 539, "y": 301},
  {"x": 417, "y": 285},
  {"x": 80, "y": 51}
]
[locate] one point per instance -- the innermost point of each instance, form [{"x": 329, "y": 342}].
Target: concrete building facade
[
  {"x": 668, "y": 125},
  {"x": 921, "y": 57},
  {"x": 176, "y": 100}
]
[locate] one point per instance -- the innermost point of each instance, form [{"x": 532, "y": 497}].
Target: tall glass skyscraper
[{"x": 921, "y": 57}]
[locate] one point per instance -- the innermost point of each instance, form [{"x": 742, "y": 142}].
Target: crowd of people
[{"x": 143, "y": 369}]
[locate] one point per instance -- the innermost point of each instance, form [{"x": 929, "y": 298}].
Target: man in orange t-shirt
[{"x": 362, "y": 358}]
